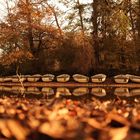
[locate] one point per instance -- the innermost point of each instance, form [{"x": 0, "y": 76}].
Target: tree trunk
[
  {"x": 95, "y": 32},
  {"x": 132, "y": 20},
  {"x": 80, "y": 15},
  {"x": 56, "y": 18},
  {"x": 30, "y": 32},
  {"x": 138, "y": 22}
]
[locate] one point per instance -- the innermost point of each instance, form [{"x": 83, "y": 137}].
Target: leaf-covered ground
[{"x": 36, "y": 117}]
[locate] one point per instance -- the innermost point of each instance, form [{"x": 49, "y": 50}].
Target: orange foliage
[{"x": 17, "y": 56}]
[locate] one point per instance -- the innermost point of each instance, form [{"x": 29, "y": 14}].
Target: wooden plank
[{"x": 70, "y": 84}]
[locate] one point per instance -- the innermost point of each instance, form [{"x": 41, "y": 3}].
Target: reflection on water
[
  {"x": 127, "y": 92},
  {"x": 80, "y": 91},
  {"x": 32, "y": 89},
  {"x": 6, "y": 88},
  {"x": 73, "y": 92},
  {"x": 18, "y": 89},
  {"x": 135, "y": 91},
  {"x": 98, "y": 92},
  {"x": 122, "y": 92},
  {"x": 63, "y": 91},
  {"x": 47, "y": 91}
]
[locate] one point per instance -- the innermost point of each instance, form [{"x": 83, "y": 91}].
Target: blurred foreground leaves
[{"x": 87, "y": 118}]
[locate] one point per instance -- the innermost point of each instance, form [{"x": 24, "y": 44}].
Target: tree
[{"x": 42, "y": 28}]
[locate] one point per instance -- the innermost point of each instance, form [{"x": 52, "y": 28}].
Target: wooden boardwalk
[{"x": 69, "y": 84}]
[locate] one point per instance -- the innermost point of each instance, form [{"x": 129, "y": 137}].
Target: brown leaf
[
  {"x": 92, "y": 122},
  {"x": 54, "y": 129},
  {"x": 117, "y": 118},
  {"x": 4, "y": 129},
  {"x": 118, "y": 133},
  {"x": 18, "y": 131}
]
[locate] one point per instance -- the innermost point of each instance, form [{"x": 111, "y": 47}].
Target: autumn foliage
[{"x": 84, "y": 37}]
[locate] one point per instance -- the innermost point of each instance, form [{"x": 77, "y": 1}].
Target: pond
[
  {"x": 72, "y": 92},
  {"x": 69, "y": 113}
]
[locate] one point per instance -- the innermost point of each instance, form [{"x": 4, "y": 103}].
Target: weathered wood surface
[{"x": 70, "y": 84}]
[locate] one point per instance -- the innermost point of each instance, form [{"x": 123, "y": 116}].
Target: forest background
[{"x": 70, "y": 36}]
